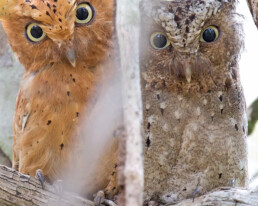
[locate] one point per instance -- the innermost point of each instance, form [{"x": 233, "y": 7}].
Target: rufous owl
[
  {"x": 66, "y": 47},
  {"x": 194, "y": 108}
]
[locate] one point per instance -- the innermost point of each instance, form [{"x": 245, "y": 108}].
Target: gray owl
[{"x": 194, "y": 107}]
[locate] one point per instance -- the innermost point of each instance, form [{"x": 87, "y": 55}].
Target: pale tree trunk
[{"x": 128, "y": 28}]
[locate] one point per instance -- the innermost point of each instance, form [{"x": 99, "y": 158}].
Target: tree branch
[
  {"x": 225, "y": 196},
  {"x": 19, "y": 189}
]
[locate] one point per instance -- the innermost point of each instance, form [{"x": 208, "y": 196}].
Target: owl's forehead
[
  {"x": 183, "y": 20},
  {"x": 44, "y": 10},
  {"x": 55, "y": 16}
]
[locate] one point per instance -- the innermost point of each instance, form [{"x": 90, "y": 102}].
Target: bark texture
[
  {"x": 19, "y": 189},
  {"x": 226, "y": 197}
]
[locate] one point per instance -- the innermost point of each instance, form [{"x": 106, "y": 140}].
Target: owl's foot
[
  {"x": 100, "y": 196},
  {"x": 100, "y": 200},
  {"x": 231, "y": 184},
  {"x": 196, "y": 192},
  {"x": 58, "y": 184},
  {"x": 39, "y": 175}
]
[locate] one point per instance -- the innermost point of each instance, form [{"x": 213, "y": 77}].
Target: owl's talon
[
  {"x": 231, "y": 184},
  {"x": 98, "y": 201},
  {"x": 196, "y": 191},
  {"x": 99, "y": 198},
  {"x": 39, "y": 175}
]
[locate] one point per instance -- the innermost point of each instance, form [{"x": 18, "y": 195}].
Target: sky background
[
  {"x": 249, "y": 79},
  {"x": 249, "y": 58}
]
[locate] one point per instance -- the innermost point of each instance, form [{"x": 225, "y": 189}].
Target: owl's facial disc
[
  {"x": 183, "y": 63},
  {"x": 59, "y": 26}
]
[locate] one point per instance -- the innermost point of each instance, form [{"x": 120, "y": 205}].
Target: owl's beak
[
  {"x": 70, "y": 54},
  {"x": 185, "y": 65},
  {"x": 188, "y": 72}
]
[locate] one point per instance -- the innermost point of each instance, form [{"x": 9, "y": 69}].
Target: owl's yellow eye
[
  {"x": 84, "y": 13},
  {"x": 34, "y": 32},
  {"x": 159, "y": 41},
  {"x": 210, "y": 34}
]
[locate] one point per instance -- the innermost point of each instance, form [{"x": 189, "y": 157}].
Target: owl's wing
[
  {"x": 15, "y": 161},
  {"x": 20, "y": 118}
]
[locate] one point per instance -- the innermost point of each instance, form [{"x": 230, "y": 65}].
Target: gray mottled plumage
[{"x": 194, "y": 108}]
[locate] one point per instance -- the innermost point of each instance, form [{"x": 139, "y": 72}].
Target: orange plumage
[{"x": 62, "y": 73}]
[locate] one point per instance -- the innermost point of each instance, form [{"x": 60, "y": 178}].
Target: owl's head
[
  {"x": 59, "y": 31},
  {"x": 192, "y": 44}
]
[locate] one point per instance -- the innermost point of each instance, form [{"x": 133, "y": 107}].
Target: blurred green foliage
[{"x": 252, "y": 116}]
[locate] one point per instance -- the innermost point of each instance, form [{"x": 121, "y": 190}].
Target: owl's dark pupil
[
  {"x": 82, "y": 13},
  {"x": 209, "y": 35},
  {"x": 160, "y": 41},
  {"x": 36, "y": 32}
]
